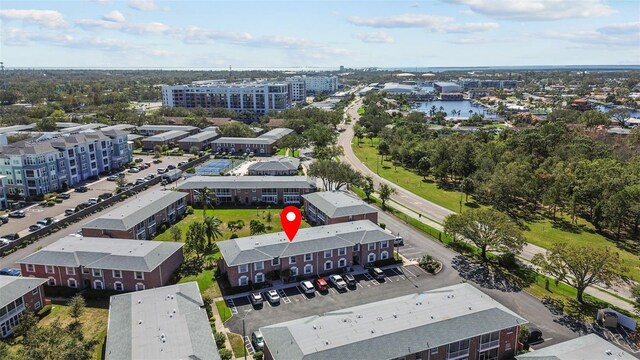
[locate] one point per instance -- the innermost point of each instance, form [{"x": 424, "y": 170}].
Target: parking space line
[
  {"x": 333, "y": 291},
  {"x": 284, "y": 296},
  {"x": 301, "y": 293},
  {"x": 232, "y": 306},
  {"x": 249, "y": 346},
  {"x": 400, "y": 275},
  {"x": 386, "y": 278},
  {"x": 407, "y": 270},
  {"x": 358, "y": 284}
]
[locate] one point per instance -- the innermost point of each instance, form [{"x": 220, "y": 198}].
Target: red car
[{"x": 322, "y": 285}]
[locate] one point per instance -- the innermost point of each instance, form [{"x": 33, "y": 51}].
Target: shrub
[
  {"x": 258, "y": 355},
  {"x": 190, "y": 170},
  {"x": 219, "y": 338},
  {"x": 233, "y": 236},
  {"x": 225, "y": 354},
  {"x": 189, "y": 210},
  {"x": 44, "y": 311},
  {"x": 507, "y": 260},
  {"x": 383, "y": 225}
]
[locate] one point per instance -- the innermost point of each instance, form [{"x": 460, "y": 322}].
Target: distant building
[
  {"x": 200, "y": 140},
  {"x": 451, "y": 97},
  {"x": 79, "y": 128},
  {"x": 297, "y": 89},
  {"x": 446, "y": 87},
  {"x": 150, "y": 130},
  {"x": 581, "y": 105},
  {"x": 94, "y": 263},
  {"x": 316, "y": 84},
  {"x": 140, "y": 218},
  {"x": 17, "y": 295},
  {"x": 453, "y": 322},
  {"x": 259, "y": 97},
  {"x": 333, "y": 207},
  {"x": 286, "y": 166},
  {"x": 158, "y": 324},
  {"x": 261, "y": 145},
  {"x": 248, "y": 190},
  {"x": 169, "y": 138},
  {"x": 120, "y": 127},
  {"x": 590, "y": 346}
]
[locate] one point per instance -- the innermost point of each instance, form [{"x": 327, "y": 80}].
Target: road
[
  {"x": 433, "y": 214},
  {"x": 97, "y": 188}
]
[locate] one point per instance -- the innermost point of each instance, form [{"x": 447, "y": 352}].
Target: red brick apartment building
[
  {"x": 95, "y": 263},
  {"x": 333, "y": 207},
  {"x": 315, "y": 251},
  {"x": 140, "y": 218},
  {"x": 451, "y": 323},
  {"x": 17, "y": 295}
]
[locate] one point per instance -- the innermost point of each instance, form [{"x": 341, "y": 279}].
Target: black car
[
  {"x": 63, "y": 196},
  {"x": 105, "y": 195},
  {"x": 82, "y": 189},
  {"x": 535, "y": 336},
  {"x": 349, "y": 279},
  {"x": 11, "y": 237},
  {"x": 376, "y": 273},
  {"x": 171, "y": 167}
]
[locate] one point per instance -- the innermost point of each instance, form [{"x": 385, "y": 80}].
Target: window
[
  {"x": 328, "y": 265},
  {"x": 117, "y": 286},
  {"x": 49, "y": 269},
  {"x": 342, "y": 251},
  {"x": 37, "y": 305},
  {"x": 97, "y": 272},
  {"x": 72, "y": 283},
  {"x": 434, "y": 351},
  {"x": 328, "y": 254},
  {"x": 308, "y": 269},
  {"x": 371, "y": 257},
  {"x": 308, "y": 257},
  {"x": 85, "y": 271},
  {"x": 70, "y": 270},
  {"x": 139, "y": 286},
  {"x": 371, "y": 246},
  {"x": 34, "y": 291},
  {"x": 243, "y": 281},
  {"x": 258, "y": 266},
  {"x": 384, "y": 244},
  {"x": 294, "y": 271},
  {"x": 488, "y": 341},
  {"x": 384, "y": 255},
  {"x": 259, "y": 277},
  {"x": 419, "y": 356},
  {"x": 243, "y": 268},
  {"x": 342, "y": 263},
  {"x": 458, "y": 349},
  {"x": 97, "y": 284},
  {"x": 117, "y": 274},
  {"x": 30, "y": 268},
  {"x": 139, "y": 275},
  {"x": 51, "y": 282},
  {"x": 292, "y": 259},
  {"x": 275, "y": 261}
]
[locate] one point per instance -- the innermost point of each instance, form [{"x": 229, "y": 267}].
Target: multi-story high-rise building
[
  {"x": 315, "y": 84},
  {"x": 260, "y": 97},
  {"x": 54, "y": 162},
  {"x": 298, "y": 88}
]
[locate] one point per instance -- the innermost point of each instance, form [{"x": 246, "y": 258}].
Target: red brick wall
[
  {"x": 373, "y": 217},
  {"x": 30, "y": 300},
  {"x": 115, "y": 234},
  {"x": 508, "y": 345}
]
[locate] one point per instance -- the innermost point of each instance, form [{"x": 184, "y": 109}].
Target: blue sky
[{"x": 252, "y": 34}]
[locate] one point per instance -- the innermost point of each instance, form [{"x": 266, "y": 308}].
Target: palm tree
[
  {"x": 207, "y": 196},
  {"x": 212, "y": 229}
]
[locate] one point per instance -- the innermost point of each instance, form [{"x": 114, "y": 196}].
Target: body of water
[
  {"x": 464, "y": 107},
  {"x": 606, "y": 109}
]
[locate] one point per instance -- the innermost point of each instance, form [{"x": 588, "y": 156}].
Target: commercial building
[
  {"x": 166, "y": 323},
  {"x": 286, "y": 166},
  {"x": 17, "y": 295},
  {"x": 454, "y": 322},
  {"x": 263, "y": 145},
  {"x": 54, "y": 162},
  {"x": 317, "y": 250},
  {"x": 248, "y": 190},
  {"x": 150, "y": 130},
  {"x": 95, "y": 263},
  {"x": 333, "y": 207},
  {"x": 169, "y": 138},
  {"x": 590, "y": 346},
  {"x": 260, "y": 97},
  {"x": 200, "y": 140},
  {"x": 139, "y": 218},
  {"x": 446, "y": 87}
]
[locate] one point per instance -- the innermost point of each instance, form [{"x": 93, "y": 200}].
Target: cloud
[
  {"x": 19, "y": 37},
  {"x": 160, "y": 52},
  {"x": 197, "y": 35},
  {"x": 101, "y": 2},
  {"x": 596, "y": 38},
  {"x": 146, "y": 28},
  {"x": 115, "y": 16},
  {"x": 400, "y": 21},
  {"x": 537, "y": 10},
  {"x": 468, "y": 27},
  {"x": 44, "y": 18},
  {"x": 90, "y": 23},
  {"x": 143, "y": 5},
  {"x": 376, "y": 37},
  {"x": 630, "y": 27}
]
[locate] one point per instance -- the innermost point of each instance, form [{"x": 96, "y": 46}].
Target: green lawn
[
  {"x": 206, "y": 283},
  {"x": 237, "y": 345},
  {"x": 283, "y": 152},
  {"x": 361, "y": 111},
  {"x": 223, "y": 310}
]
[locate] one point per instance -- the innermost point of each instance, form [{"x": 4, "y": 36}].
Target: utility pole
[{"x": 244, "y": 341}]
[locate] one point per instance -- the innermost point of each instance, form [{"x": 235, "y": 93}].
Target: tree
[
  {"x": 383, "y": 149},
  {"x": 385, "y": 191},
  {"x": 269, "y": 217},
  {"x": 196, "y": 239},
  {"x": 292, "y": 142},
  {"x": 621, "y": 115},
  {"x": 206, "y": 197},
  {"x": 367, "y": 187},
  {"x": 257, "y": 227},
  {"x": 235, "y": 225},
  {"x": 212, "y": 229},
  {"x": 635, "y": 293},
  {"x": 194, "y": 150},
  {"x": 581, "y": 266},
  {"x": 46, "y": 124},
  {"x": 237, "y": 129},
  {"x": 334, "y": 175},
  {"x": 593, "y": 118},
  {"x": 424, "y": 165},
  {"x": 468, "y": 186},
  {"x": 77, "y": 306},
  {"x": 176, "y": 233},
  {"x": 358, "y": 132},
  {"x": 320, "y": 136},
  {"x": 488, "y": 229},
  {"x": 121, "y": 181}
]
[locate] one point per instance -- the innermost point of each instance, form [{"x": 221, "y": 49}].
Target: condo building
[{"x": 313, "y": 84}]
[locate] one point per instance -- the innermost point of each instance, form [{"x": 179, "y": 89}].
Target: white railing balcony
[
  {"x": 12, "y": 313},
  {"x": 457, "y": 354},
  {"x": 489, "y": 345}
]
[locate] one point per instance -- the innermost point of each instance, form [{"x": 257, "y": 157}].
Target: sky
[{"x": 318, "y": 34}]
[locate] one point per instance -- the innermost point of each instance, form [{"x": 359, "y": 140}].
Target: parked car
[
  {"x": 150, "y": 176},
  {"x": 256, "y": 299},
  {"x": 17, "y": 214},
  {"x": 105, "y": 195},
  {"x": 93, "y": 201},
  {"x": 35, "y": 227},
  {"x": 113, "y": 178},
  {"x": 83, "y": 205},
  {"x": 147, "y": 165},
  {"x": 181, "y": 163},
  {"x": 171, "y": 167},
  {"x": 50, "y": 220},
  {"x": 349, "y": 279},
  {"x": 140, "y": 181},
  {"x": 4, "y": 219},
  {"x": 161, "y": 170},
  {"x": 273, "y": 297},
  {"x": 376, "y": 273},
  {"x": 64, "y": 196},
  {"x": 535, "y": 336},
  {"x": 398, "y": 241},
  {"x": 257, "y": 340},
  {"x": 10, "y": 272},
  {"x": 11, "y": 237},
  {"x": 69, "y": 212},
  {"x": 337, "y": 281},
  {"x": 139, "y": 160},
  {"x": 134, "y": 170},
  {"x": 321, "y": 284},
  {"x": 82, "y": 189},
  {"x": 307, "y": 287}
]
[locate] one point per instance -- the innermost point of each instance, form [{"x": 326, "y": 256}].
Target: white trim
[
  {"x": 240, "y": 282},
  {"x": 95, "y": 284},
  {"x": 75, "y": 283},
  {"x": 115, "y": 286},
  {"x": 384, "y": 255},
  {"x": 139, "y": 286},
  {"x": 255, "y": 278},
  {"x": 294, "y": 270},
  {"x": 310, "y": 267},
  {"x": 49, "y": 281},
  {"x": 342, "y": 262},
  {"x": 371, "y": 255}
]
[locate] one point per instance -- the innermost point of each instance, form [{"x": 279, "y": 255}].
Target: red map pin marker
[{"x": 290, "y": 218}]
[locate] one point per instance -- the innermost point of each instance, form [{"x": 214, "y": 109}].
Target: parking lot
[{"x": 37, "y": 212}]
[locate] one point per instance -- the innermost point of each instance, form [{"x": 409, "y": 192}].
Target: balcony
[
  {"x": 12, "y": 313},
  {"x": 452, "y": 355},
  {"x": 489, "y": 345}
]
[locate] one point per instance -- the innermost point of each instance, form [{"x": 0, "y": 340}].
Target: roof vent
[
  {"x": 139, "y": 301},
  {"x": 418, "y": 303},
  {"x": 359, "y": 316},
  {"x": 469, "y": 307},
  {"x": 256, "y": 243},
  {"x": 171, "y": 297},
  {"x": 326, "y": 342},
  {"x": 379, "y": 318},
  {"x": 140, "y": 322},
  {"x": 395, "y": 315},
  {"x": 608, "y": 352},
  {"x": 315, "y": 327},
  {"x": 170, "y": 315},
  {"x": 373, "y": 331},
  {"x": 174, "y": 311}
]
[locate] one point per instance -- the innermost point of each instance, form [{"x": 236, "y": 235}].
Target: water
[
  {"x": 606, "y": 109},
  {"x": 463, "y": 106}
]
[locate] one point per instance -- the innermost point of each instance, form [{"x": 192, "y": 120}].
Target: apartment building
[
  {"x": 454, "y": 323},
  {"x": 314, "y": 84},
  {"x": 297, "y": 89},
  {"x": 264, "y": 144},
  {"x": 139, "y": 218},
  {"x": 151, "y": 130},
  {"x": 165, "y": 323},
  {"x": 95, "y": 263},
  {"x": 17, "y": 295},
  {"x": 169, "y": 138},
  {"x": 590, "y": 346},
  {"x": 260, "y": 97},
  {"x": 286, "y": 166},
  {"x": 318, "y": 250},
  {"x": 247, "y": 190},
  {"x": 200, "y": 140},
  {"x": 53, "y": 162},
  {"x": 333, "y": 207}
]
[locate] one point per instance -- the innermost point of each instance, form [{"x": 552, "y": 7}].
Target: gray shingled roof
[
  {"x": 201, "y": 136},
  {"x": 591, "y": 347},
  {"x": 55, "y": 143},
  {"x": 125, "y": 217},
  {"x": 244, "y": 141},
  {"x": 282, "y": 164},
  {"x": 8, "y": 129},
  {"x": 276, "y": 134},
  {"x": 103, "y": 253},
  {"x": 166, "y": 127},
  {"x": 265, "y": 247},
  {"x": 247, "y": 182},
  {"x": 138, "y": 321},
  {"x": 82, "y": 127},
  {"x": 121, "y": 127},
  {"x": 391, "y": 328},
  {"x": 338, "y": 203},
  {"x": 13, "y": 287},
  {"x": 165, "y": 136}
]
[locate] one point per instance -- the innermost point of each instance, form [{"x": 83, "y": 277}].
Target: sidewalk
[{"x": 221, "y": 328}]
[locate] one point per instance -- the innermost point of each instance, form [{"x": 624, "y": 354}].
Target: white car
[
  {"x": 307, "y": 287},
  {"x": 273, "y": 296},
  {"x": 134, "y": 170},
  {"x": 338, "y": 282}
]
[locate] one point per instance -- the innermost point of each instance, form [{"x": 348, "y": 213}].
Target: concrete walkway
[{"x": 221, "y": 328}]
